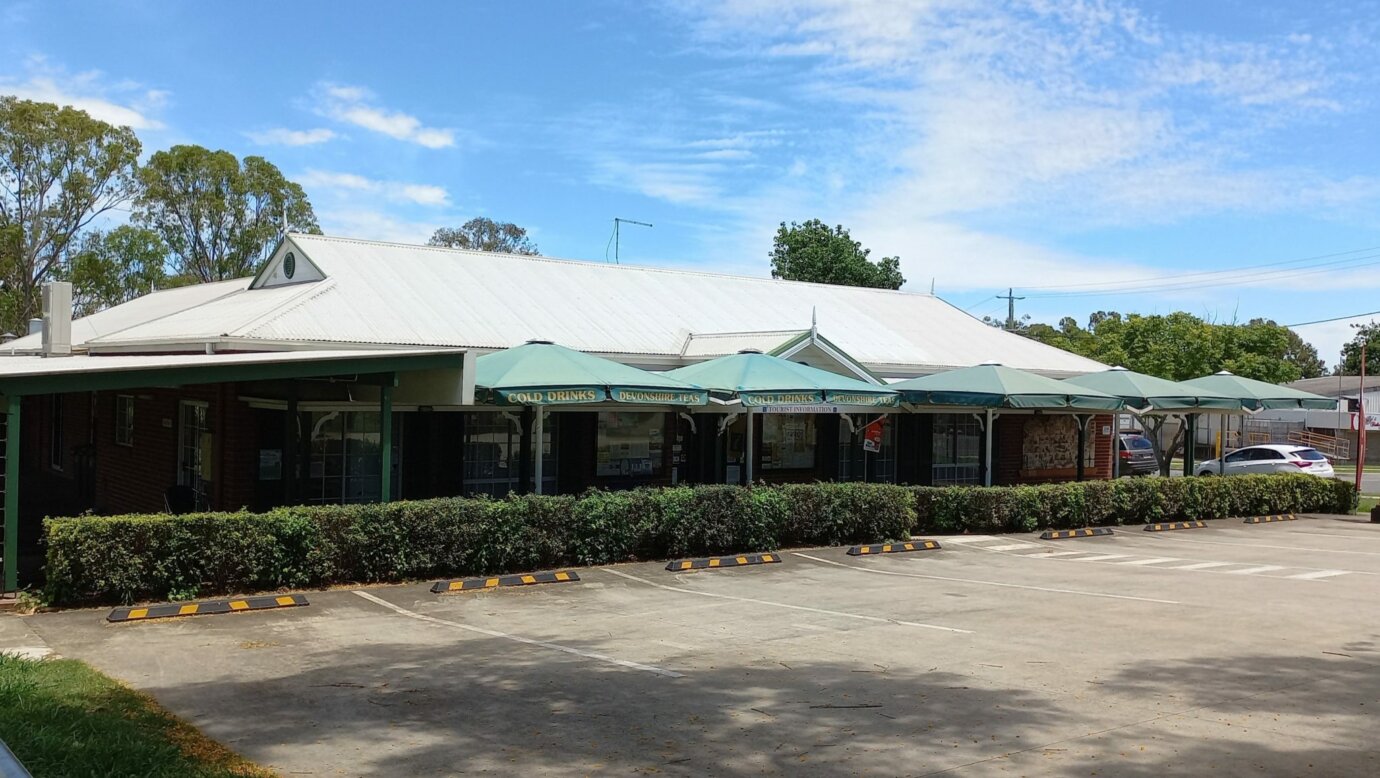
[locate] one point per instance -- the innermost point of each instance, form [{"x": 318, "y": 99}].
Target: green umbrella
[
  {"x": 997, "y": 386},
  {"x": 1258, "y": 395},
  {"x": 542, "y": 373},
  {"x": 1143, "y": 392},
  {"x": 762, "y": 380}
]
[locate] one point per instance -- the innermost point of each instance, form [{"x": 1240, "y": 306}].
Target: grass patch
[
  {"x": 1365, "y": 503},
  {"x": 61, "y": 717}
]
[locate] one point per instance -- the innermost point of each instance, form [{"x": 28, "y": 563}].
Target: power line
[
  {"x": 1352, "y": 263},
  {"x": 1180, "y": 276},
  {"x": 1335, "y": 318}
]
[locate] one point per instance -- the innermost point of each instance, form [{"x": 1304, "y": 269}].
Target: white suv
[{"x": 1273, "y": 458}]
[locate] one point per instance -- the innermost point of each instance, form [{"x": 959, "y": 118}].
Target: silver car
[{"x": 1273, "y": 458}]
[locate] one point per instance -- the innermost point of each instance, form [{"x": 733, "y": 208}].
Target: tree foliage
[
  {"x": 59, "y": 170},
  {"x": 1368, "y": 334},
  {"x": 1179, "y": 346},
  {"x": 816, "y": 252},
  {"x": 114, "y": 267},
  {"x": 219, "y": 216},
  {"x": 481, "y": 234}
]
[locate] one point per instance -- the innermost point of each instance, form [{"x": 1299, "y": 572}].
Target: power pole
[{"x": 1010, "y": 299}]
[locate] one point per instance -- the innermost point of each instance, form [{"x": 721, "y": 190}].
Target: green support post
[
  {"x": 11, "y": 559},
  {"x": 1190, "y": 441},
  {"x": 386, "y": 440}
]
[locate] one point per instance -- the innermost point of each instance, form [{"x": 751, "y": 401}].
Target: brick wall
[
  {"x": 134, "y": 478},
  {"x": 1009, "y": 440}
]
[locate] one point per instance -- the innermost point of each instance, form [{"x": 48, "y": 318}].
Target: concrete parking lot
[{"x": 1228, "y": 651}]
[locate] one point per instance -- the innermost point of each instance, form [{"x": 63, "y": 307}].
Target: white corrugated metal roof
[
  {"x": 716, "y": 344},
  {"x": 140, "y": 310},
  {"x": 29, "y": 366},
  {"x": 385, "y": 293}
]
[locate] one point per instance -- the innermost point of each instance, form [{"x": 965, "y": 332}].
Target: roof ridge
[
  {"x": 603, "y": 265},
  {"x": 294, "y": 302},
  {"x": 170, "y": 314}
]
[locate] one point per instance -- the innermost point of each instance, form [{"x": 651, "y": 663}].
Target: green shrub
[
  {"x": 127, "y": 558},
  {"x": 1125, "y": 501}
]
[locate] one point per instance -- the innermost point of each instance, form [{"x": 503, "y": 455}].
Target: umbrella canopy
[
  {"x": 542, "y": 373},
  {"x": 758, "y": 380},
  {"x": 1146, "y": 392},
  {"x": 997, "y": 386},
  {"x": 1259, "y": 395}
]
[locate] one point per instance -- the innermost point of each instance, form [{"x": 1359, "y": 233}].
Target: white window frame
[
  {"x": 124, "y": 420},
  {"x": 196, "y": 485}
]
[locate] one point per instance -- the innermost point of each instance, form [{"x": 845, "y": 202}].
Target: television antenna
[{"x": 615, "y": 239}]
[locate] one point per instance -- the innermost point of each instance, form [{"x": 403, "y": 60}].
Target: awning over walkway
[
  {"x": 760, "y": 380},
  {"x": 1145, "y": 393},
  {"x": 1259, "y": 395},
  {"x": 997, "y": 386},
  {"x": 543, "y": 373},
  {"x": 23, "y": 375}
]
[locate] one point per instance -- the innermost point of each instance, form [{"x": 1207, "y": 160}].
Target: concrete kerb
[
  {"x": 493, "y": 582},
  {"x": 1165, "y": 526},
  {"x": 717, "y": 562},
  {"x": 1269, "y": 519},
  {"x": 207, "y": 607},
  {"x": 1064, "y": 534},
  {"x": 894, "y": 548}
]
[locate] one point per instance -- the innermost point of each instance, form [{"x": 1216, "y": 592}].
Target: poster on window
[{"x": 872, "y": 437}]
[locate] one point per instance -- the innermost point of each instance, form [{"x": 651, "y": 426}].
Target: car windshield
[
  {"x": 1311, "y": 454},
  {"x": 1135, "y": 441}
]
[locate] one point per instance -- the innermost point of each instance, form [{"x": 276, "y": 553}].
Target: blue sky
[{"x": 1071, "y": 150}]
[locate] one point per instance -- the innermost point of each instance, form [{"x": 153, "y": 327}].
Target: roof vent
[{"x": 57, "y": 319}]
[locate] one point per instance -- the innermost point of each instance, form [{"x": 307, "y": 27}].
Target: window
[
  {"x": 345, "y": 457},
  {"x": 55, "y": 444},
  {"x": 856, "y": 463},
  {"x": 956, "y": 447},
  {"x": 629, "y": 444},
  {"x": 124, "y": 420},
  {"x": 491, "y": 454},
  {"x": 194, "y": 451},
  {"x": 788, "y": 441}
]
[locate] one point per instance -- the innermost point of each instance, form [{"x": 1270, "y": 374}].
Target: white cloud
[
  {"x": 125, "y": 103},
  {"x": 355, "y": 105},
  {"x": 282, "y": 136},
  {"x": 375, "y": 225},
  {"x": 395, "y": 191},
  {"x": 949, "y": 123}
]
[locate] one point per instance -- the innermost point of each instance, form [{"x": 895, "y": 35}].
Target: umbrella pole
[
  {"x": 524, "y": 484},
  {"x": 538, "y": 425},
  {"x": 751, "y": 448},
  {"x": 987, "y": 449}
]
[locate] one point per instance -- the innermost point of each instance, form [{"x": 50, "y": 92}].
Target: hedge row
[
  {"x": 128, "y": 558},
  {"x": 1124, "y": 501}
]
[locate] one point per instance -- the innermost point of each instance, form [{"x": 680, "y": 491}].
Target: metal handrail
[{"x": 10, "y": 766}]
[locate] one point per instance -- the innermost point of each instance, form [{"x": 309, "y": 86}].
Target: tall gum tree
[
  {"x": 220, "y": 217},
  {"x": 59, "y": 170}
]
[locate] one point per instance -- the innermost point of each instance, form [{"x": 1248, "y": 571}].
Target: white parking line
[
  {"x": 1319, "y": 574},
  {"x": 1202, "y": 566},
  {"x": 862, "y": 617},
  {"x": 1051, "y": 554},
  {"x": 1009, "y": 547},
  {"x": 1103, "y": 557},
  {"x": 519, "y": 639},
  {"x": 1166, "y": 537},
  {"x": 1153, "y": 561},
  {"x": 986, "y": 583},
  {"x": 960, "y": 539},
  {"x": 1255, "y": 570}
]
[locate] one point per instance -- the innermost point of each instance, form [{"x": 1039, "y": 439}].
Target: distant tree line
[{"x": 194, "y": 215}]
